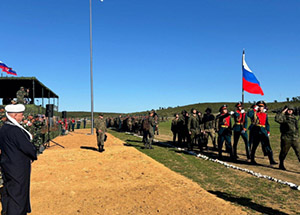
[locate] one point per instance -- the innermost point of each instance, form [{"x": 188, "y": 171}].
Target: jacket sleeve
[
  {"x": 280, "y": 118},
  {"x": 25, "y": 145}
]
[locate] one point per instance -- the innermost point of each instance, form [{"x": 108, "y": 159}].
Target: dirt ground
[{"x": 79, "y": 180}]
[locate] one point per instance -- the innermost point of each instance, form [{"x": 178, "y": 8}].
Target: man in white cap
[{"x": 17, "y": 154}]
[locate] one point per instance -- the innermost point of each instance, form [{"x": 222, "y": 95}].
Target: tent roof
[{"x": 10, "y": 85}]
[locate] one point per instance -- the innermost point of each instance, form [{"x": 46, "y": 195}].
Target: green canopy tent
[{"x": 10, "y": 85}]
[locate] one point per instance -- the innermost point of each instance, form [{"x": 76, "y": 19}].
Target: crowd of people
[
  {"x": 193, "y": 128},
  {"x": 146, "y": 125}
]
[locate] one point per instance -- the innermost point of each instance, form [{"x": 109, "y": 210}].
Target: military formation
[
  {"x": 146, "y": 126},
  {"x": 193, "y": 128}
]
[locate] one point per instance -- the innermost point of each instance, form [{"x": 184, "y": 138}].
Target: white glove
[
  {"x": 243, "y": 111},
  {"x": 231, "y": 112},
  {"x": 256, "y": 108},
  {"x": 264, "y": 110}
]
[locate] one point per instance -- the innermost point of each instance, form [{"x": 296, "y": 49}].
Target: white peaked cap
[{"x": 18, "y": 108}]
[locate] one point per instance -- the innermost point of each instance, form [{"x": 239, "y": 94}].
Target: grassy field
[{"x": 258, "y": 196}]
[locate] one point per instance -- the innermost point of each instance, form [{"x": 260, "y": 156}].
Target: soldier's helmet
[
  {"x": 261, "y": 104},
  {"x": 239, "y": 104},
  {"x": 222, "y": 108},
  {"x": 100, "y": 114},
  {"x": 183, "y": 112},
  {"x": 290, "y": 107},
  {"x": 36, "y": 116},
  {"x": 21, "y": 87},
  {"x": 208, "y": 110},
  {"x": 193, "y": 110}
]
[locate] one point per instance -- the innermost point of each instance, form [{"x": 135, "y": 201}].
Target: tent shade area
[{"x": 37, "y": 90}]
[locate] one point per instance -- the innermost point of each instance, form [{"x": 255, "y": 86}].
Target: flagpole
[
  {"x": 91, "y": 71},
  {"x": 243, "y": 92}
]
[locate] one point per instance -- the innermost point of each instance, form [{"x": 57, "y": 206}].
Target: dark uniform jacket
[
  {"x": 223, "y": 124},
  {"x": 240, "y": 121},
  {"x": 17, "y": 153}
]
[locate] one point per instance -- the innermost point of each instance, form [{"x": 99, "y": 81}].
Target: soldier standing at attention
[
  {"x": 21, "y": 94},
  {"x": 224, "y": 130},
  {"x": 289, "y": 130},
  {"x": 261, "y": 131},
  {"x": 100, "y": 127},
  {"x": 193, "y": 128},
  {"x": 209, "y": 127},
  {"x": 240, "y": 129}
]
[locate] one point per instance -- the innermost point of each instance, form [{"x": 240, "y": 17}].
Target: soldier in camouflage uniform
[
  {"x": 174, "y": 127},
  {"x": 209, "y": 127},
  {"x": 2, "y": 116},
  {"x": 100, "y": 127},
  {"x": 148, "y": 133},
  {"x": 21, "y": 94},
  {"x": 289, "y": 129},
  {"x": 193, "y": 129},
  {"x": 37, "y": 134}
]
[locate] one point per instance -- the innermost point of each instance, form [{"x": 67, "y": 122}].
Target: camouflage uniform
[
  {"x": 209, "y": 127},
  {"x": 2, "y": 117},
  {"x": 289, "y": 129},
  {"x": 100, "y": 127},
  {"x": 37, "y": 134},
  {"x": 20, "y": 95},
  {"x": 174, "y": 127},
  {"x": 193, "y": 129},
  {"x": 148, "y": 133}
]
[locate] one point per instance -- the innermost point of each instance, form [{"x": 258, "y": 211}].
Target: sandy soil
[{"x": 79, "y": 180}]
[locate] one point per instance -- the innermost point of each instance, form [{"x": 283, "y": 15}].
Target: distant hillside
[{"x": 215, "y": 107}]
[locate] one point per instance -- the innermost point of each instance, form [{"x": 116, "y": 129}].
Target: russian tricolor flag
[
  {"x": 250, "y": 82},
  {"x": 7, "y": 69}
]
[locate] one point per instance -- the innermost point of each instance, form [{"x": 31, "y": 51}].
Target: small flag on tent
[
  {"x": 250, "y": 82},
  {"x": 7, "y": 69}
]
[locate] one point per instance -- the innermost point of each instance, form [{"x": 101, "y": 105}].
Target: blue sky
[{"x": 151, "y": 54}]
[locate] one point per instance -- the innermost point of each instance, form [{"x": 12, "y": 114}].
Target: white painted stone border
[{"x": 256, "y": 174}]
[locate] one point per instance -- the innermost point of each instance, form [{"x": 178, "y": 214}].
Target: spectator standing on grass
[
  {"x": 17, "y": 154},
  {"x": 289, "y": 129}
]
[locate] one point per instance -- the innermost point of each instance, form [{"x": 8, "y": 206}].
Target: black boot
[
  {"x": 281, "y": 166},
  {"x": 271, "y": 159}
]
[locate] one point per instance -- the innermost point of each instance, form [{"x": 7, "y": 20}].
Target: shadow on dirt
[
  {"x": 247, "y": 203},
  {"x": 89, "y": 148}
]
